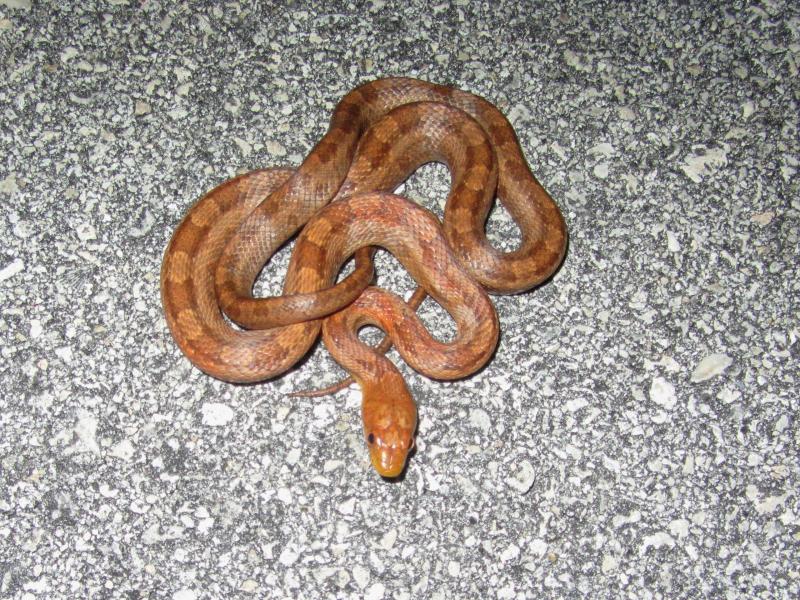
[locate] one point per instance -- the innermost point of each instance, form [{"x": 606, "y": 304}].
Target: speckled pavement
[{"x": 635, "y": 436}]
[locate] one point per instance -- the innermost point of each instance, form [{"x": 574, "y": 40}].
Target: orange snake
[{"x": 379, "y": 134}]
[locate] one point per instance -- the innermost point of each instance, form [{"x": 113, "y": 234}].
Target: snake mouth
[{"x": 389, "y": 465}]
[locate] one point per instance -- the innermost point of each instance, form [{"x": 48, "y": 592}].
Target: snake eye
[{"x": 371, "y": 438}]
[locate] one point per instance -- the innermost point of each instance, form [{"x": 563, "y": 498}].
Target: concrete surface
[{"x": 636, "y": 435}]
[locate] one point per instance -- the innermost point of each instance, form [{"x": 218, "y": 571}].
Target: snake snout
[{"x": 388, "y": 461}]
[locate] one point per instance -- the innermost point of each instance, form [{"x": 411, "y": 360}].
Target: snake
[{"x": 341, "y": 200}]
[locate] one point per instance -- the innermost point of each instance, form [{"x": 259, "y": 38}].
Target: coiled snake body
[{"x": 379, "y": 134}]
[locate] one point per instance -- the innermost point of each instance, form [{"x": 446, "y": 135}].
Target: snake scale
[{"x": 341, "y": 197}]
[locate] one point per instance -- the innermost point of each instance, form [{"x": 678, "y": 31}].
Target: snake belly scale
[{"x": 340, "y": 196}]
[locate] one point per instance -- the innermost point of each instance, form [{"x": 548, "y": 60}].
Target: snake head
[
  {"x": 390, "y": 420},
  {"x": 388, "y": 451}
]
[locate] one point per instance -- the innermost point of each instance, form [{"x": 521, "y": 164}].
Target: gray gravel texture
[{"x": 635, "y": 436}]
